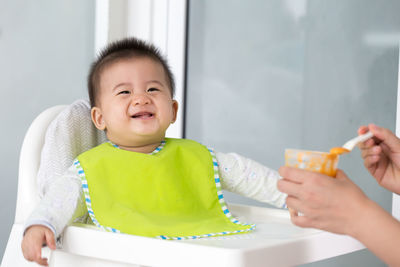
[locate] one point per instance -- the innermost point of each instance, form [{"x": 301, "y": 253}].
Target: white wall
[{"x": 46, "y": 47}]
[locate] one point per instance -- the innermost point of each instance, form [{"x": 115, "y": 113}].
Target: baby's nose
[{"x": 140, "y": 99}]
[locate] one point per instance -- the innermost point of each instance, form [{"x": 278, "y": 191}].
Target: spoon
[{"x": 349, "y": 145}]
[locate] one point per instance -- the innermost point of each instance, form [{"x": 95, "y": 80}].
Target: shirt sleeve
[
  {"x": 68, "y": 135},
  {"x": 62, "y": 204},
  {"x": 249, "y": 178}
]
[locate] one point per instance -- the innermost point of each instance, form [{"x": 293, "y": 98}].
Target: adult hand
[
  {"x": 35, "y": 237},
  {"x": 330, "y": 204},
  {"x": 339, "y": 206},
  {"x": 381, "y": 156}
]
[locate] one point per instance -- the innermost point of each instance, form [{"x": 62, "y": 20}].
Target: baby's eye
[
  {"x": 152, "y": 89},
  {"x": 124, "y": 92}
]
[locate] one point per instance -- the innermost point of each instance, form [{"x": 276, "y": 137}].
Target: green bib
[{"x": 173, "y": 193}]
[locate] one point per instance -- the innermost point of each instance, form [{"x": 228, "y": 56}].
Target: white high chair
[{"x": 275, "y": 242}]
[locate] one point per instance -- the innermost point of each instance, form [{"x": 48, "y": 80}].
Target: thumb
[
  {"x": 343, "y": 178},
  {"x": 386, "y": 136},
  {"x": 50, "y": 241},
  {"x": 362, "y": 130},
  {"x": 340, "y": 175}
]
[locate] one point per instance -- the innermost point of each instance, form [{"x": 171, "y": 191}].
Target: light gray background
[
  {"x": 46, "y": 47},
  {"x": 268, "y": 75}
]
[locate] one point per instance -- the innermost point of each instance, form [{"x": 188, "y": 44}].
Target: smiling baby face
[{"x": 135, "y": 105}]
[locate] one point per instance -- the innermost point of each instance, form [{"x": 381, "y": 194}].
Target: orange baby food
[
  {"x": 338, "y": 150},
  {"x": 321, "y": 162}
]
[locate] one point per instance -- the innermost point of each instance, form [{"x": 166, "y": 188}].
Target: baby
[{"x": 139, "y": 182}]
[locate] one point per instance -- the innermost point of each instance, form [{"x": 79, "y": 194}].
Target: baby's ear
[
  {"x": 174, "y": 110},
  {"x": 97, "y": 118}
]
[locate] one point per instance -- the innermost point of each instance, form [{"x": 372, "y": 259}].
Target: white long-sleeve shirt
[{"x": 72, "y": 133}]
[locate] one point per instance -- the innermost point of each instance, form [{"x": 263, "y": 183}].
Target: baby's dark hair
[{"x": 124, "y": 49}]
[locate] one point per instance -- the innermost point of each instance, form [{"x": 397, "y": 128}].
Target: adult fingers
[
  {"x": 303, "y": 178},
  {"x": 370, "y": 161},
  {"x": 294, "y": 174},
  {"x": 293, "y": 212},
  {"x": 370, "y": 142},
  {"x": 385, "y": 149},
  {"x": 302, "y": 221},
  {"x": 372, "y": 151},
  {"x": 367, "y": 144},
  {"x": 307, "y": 207},
  {"x": 289, "y": 187},
  {"x": 294, "y": 205},
  {"x": 386, "y": 136}
]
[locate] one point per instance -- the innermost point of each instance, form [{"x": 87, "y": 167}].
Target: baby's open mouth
[{"x": 143, "y": 115}]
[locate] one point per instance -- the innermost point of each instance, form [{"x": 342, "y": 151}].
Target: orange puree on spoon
[
  {"x": 349, "y": 145},
  {"x": 338, "y": 150}
]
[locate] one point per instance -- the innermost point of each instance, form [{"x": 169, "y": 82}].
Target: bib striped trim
[
  {"x": 88, "y": 201},
  {"x": 224, "y": 208},
  {"x": 217, "y": 181},
  {"x": 158, "y": 149}
]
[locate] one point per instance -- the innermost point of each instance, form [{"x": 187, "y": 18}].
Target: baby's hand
[{"x": 35, "y": 237}]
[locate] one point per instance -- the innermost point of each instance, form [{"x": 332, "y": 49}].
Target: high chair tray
[{"x": 275, "y": 242}]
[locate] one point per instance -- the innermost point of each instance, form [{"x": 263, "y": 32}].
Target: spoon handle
[{"x": 355, "y": 141}]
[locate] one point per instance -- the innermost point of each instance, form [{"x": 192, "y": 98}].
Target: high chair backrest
[
  {"x": 55, "y": 138},
  {"x": 28, "y": 197}
]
